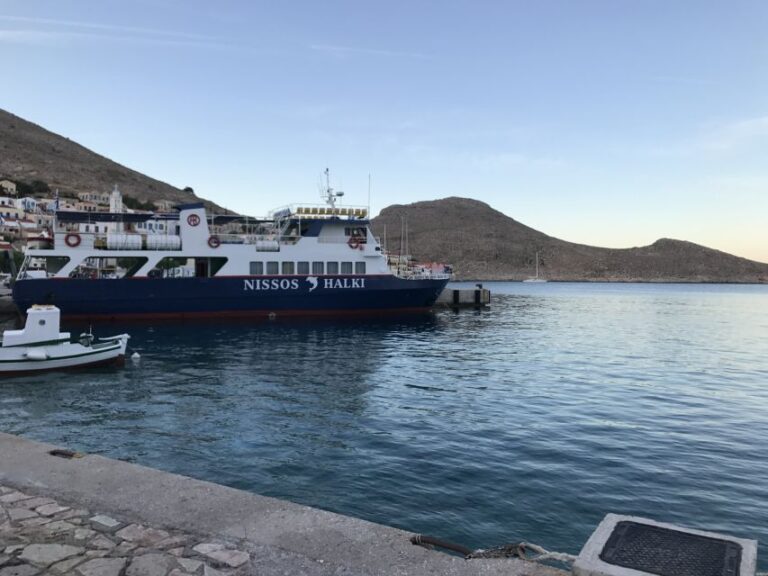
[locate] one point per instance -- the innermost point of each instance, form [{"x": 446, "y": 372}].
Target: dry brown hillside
[
  {"x": 484, "y": 244},
  {"x": 29, "y": 152}
]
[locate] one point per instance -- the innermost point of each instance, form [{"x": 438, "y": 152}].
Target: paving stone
[
  {"x": 50, "y": 509},
  {"x": 97, "y": 553},
  {"x": 66, "y": 565},
  {"x": 151, "y": 565},
  {"x": 104, "y": 523},
  {"x": 57, "y": 528},
  {"x": 172, "y": 542},
  {"x": 208, "y": 571},
  {"x": 12, "y": 497},
  {"x": 77, "y": 521},
  {"x": 142, "y": 535},
  {"x": 19, "y": 570},
  {"x": 32, "y": 522},
  {"x": 232, "y": 558},
  {"x": 207, "y": 547},
  {"x": 102, "y": 567},
  {"x": 14, "y": 548},
  {"x": 46, "y": 554},
  {"x": 16, "y": 514},
  {"x": 189, "y": 564},
  {"x": 101, "y": 542},
  {"x": 123, "y": 548},
  {"x": 71, "y": 515},
  {"x": 36, "y": 502},
  {"x": 83, "y": 533},
  {"x": 177, "y": 572},
  {"x": 176, "y": 551}
]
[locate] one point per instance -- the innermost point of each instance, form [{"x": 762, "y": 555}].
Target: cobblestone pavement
[{"x": 39, "y": 536}]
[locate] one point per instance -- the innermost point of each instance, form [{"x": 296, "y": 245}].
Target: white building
[
  {"x": 8, "y": 187},
  {"x": 28, "y": 204}
]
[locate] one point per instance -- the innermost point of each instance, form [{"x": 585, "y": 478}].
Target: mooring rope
[{"x": 513, "y": 550}]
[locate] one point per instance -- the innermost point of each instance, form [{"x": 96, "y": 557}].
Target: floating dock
[{"x": 455, "y": 298}]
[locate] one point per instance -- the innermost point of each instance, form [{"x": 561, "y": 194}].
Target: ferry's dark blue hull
[{"x": 226, "y": 296}]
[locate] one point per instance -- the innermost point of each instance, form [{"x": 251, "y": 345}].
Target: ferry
[{"x": 301, "y": 260}]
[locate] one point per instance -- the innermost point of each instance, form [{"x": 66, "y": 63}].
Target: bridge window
[
  {"x": 318, "y": 268},
  {"x": 332, "y": 267},
  {"x": 359, "y": 267},
  {"x": 257, "y": 268},
  {"x": 288, "y": 268},
  {"x": 346, "y": 267},
  {"x": 302, "y": 268},
  {"x": 272, "y": 268}
]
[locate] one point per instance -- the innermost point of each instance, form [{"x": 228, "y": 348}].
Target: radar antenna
[{"x": 329, "y": 194}]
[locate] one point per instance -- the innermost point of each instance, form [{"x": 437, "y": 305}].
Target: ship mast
[{"x": 329, "y": 194}]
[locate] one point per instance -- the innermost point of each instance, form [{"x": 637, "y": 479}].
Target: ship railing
[
  {"x": 414, "y": 275},
  {"x": 340, "y": 240},
  {"x": 318, "y": 211}
]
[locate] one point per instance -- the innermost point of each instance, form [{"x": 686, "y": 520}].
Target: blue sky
[{"x": 612, "y": 122}]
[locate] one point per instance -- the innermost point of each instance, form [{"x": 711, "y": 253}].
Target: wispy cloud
[
  {"x": 48, "y": 31},
  {"x": 725, "y": 137},
  {"x": 351, "y": 51}
]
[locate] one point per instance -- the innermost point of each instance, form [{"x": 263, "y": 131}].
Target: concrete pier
[
  {"x": 92, "y": 515},
  {"x": 464, "y": 298}
]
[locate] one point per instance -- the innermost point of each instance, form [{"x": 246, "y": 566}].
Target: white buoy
[{"x": 135, "y": 356}]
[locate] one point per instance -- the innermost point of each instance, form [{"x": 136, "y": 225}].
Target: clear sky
[{"x": 610, "y": 122}]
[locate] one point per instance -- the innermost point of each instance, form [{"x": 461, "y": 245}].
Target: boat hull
[
  {"x": 234, "y": 296},
  {"x": 16, "y": 360}
]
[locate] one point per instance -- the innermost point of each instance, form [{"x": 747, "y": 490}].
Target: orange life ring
[
  {"x": 72, "y": 240},
  {"x": 214, "y": 242}
]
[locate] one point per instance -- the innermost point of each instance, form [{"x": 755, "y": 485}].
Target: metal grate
[{"x": 669, "y": 552}]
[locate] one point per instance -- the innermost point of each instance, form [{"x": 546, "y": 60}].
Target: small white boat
[
  {"x": 536, "y": 278},
  {"x": 40, "y": 346}
]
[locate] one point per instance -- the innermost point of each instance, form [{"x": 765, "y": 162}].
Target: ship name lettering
[
  {"x": 344, "y": 283},
  {"x": 271, "y": 284}
]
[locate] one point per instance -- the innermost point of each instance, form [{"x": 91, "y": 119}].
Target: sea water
[{"x": 527, "y": 421}]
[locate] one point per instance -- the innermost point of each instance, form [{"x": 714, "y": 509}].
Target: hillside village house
[
  {"x": 86, "y": 206},
  {"x": 7, "y": 201},
  {"x": 7, "y": 187},
  {"x": 165, "y": 205},
  {"x": 95, "y": 197},
  {"x": 27, "y": 204}
]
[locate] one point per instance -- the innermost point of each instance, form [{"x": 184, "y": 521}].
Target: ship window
[
  {"x": 287, "y": 267},
  {"x": 302, "y": 268},
  {"x": 346, "y": 267},
  {"x": 257, "y": 268},
  {"x": 332, "y": 267},
  {"x": 318, "y": 268},
  {"x": 272, "y": 268},
  {"x": 108, "y": 268},
  {"x": 200, "y": 267},
  {"x": 359, "y": 267},
  {"x": 358, "y": 232}
]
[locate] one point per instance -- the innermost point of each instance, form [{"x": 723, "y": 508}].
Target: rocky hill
[
  {"x": 484, "y": 244},
  {"x": 30, "y": 153}
]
